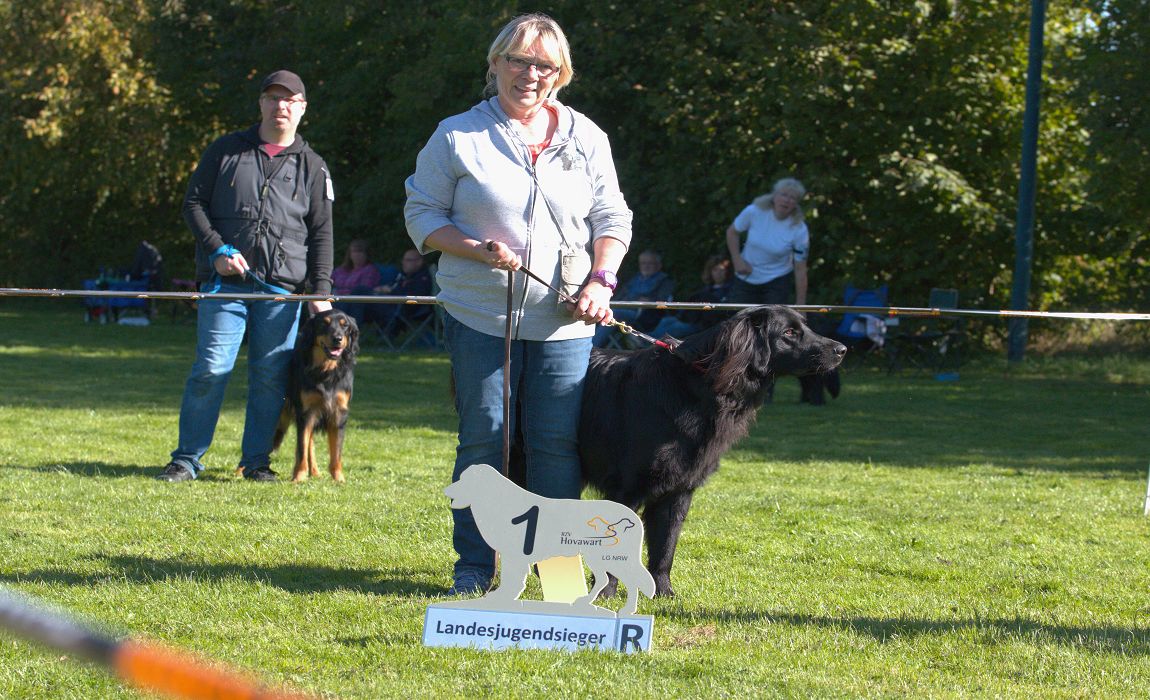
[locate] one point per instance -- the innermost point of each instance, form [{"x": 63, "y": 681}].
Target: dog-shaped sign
[{"x": 525, "y": 528}]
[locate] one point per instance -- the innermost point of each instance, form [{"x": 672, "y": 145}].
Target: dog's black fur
[
  {"x": 655, "y": 422},
  {"x": 319, "y": 390},
  {"x": 815, "y": 387}
]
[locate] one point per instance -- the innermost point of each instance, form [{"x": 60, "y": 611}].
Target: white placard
[{"x": 446, "y": 626}]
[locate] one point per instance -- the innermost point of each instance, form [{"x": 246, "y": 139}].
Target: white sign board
[
  {"x": 501, "y": 629},
  {"x": 525, "y": 529}
]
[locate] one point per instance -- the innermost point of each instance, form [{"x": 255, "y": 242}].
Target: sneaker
[
  {"x": 176, "y": 472},
  {"x": 469, "y": 582},
  {"x": 261, "y": 474}
]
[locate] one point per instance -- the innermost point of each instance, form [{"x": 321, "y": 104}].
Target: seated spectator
[
  {"x": 357, "y": 276},
  {"x": 716, "y": 286},
  {"x": 413, "y": 280},
  {"x": 651, "y": 284}
]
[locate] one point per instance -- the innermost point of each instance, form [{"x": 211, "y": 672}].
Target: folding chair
[
  {"x": 406, "y": 331},
  {"x": 863, "y": 334},
  {"x": 420, "y": 327},
  {"x": 934, "y": 344}
]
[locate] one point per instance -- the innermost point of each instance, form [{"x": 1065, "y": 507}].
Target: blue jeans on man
[
  {"x": 220, "y": 327},
  {"x": 547, "y": 382}
]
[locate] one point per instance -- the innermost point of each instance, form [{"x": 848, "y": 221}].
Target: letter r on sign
[{"x": 630, "y": 634}]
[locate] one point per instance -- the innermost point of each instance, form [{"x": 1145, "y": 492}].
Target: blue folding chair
[{"x": 862, "y": 333}]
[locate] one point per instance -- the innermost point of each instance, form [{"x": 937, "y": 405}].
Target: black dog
[
  {"x": 655, "y": 422},
  {"x": 319, "y": 390}
]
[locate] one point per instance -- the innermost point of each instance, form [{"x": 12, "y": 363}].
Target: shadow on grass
[
  {"x": 1125, "y": 641},
  {"x": 104, "y": 470},
  {"x": 292, "y": 578}
]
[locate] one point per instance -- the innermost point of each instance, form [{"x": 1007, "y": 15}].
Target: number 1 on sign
[
  {"x": 562, "y": 578},
  {"x": 531, "y": 517}
]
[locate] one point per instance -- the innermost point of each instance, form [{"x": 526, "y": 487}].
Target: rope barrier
[
  {"x": 144, "y": 665},
  {"x": 889, "y": 311}
]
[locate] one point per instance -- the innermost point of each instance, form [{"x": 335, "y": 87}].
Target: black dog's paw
[
  {"x": 610, "y": 590},
  {"x": 811, "y": 386},
  {"x": 834, "y": 383}
]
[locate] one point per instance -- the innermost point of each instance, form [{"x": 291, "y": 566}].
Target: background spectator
[
  {"x": 413, "y": 280},
  {"x": 771, "y": 267},
  {"x": 651, "y": 284},
  {"x": 716, "y": 286},
  {"x": 356, "y": 276}
]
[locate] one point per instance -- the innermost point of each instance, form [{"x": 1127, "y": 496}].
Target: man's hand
[{"x": 231, "y": 265}]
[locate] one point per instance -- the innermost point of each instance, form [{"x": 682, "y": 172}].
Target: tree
[{"x": 90, "y": 168}]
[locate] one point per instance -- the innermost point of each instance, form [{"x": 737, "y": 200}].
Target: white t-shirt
[{"x": 772, "y": 246}]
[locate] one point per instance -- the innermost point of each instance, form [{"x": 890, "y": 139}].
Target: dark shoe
[
  {"x": 469, "y": 582},
  {"x": 176, "y": 472},
  {"x": 261, "y": 474}
]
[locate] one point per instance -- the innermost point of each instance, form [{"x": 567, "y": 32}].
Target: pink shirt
[{"x": 343, "y": 280}]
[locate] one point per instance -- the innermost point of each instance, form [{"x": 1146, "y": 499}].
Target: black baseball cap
[{"x": 286, "y": 78}]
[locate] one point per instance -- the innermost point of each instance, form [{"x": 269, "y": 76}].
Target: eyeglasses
[
  {"x": 520, "y": 65},
  {"x": 276, "y": 99}
]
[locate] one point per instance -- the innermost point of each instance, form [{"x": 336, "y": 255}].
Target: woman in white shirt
[{"x": 772, "y": 263}]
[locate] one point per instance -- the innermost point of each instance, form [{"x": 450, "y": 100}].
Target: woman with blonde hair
[
  {"x": 771, "y": 266},
  {"x": 519, "y": 180}
]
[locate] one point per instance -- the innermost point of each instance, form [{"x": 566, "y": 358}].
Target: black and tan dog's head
[
  {"x": 331, "y": 337},
  {"x": 757, "y": 343}
]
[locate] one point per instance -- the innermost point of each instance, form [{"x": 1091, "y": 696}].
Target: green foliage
[
  {"x": 914, "y": 538},
  {"x": 1110, "y": 74},
  {"x": 91, "y": 166},
  {"x": 903, "y": 119}
]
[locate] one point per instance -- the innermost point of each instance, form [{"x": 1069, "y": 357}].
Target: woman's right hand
[
  {"x": 499, "y": 256},
  {"x": 741, "y": 266}
]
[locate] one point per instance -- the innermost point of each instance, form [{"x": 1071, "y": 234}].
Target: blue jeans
[
  {"x": 220, "y": 325},
  {"x": 547, "y": 382},
  {"x": 672, "y": 326}
]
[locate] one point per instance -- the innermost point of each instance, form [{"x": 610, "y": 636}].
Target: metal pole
[
  {"x": 1024, "y": 227},
  {"x": 1146, "y": 503}
]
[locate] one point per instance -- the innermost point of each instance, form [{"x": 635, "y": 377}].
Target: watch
[{"x": 606, "y": 278}]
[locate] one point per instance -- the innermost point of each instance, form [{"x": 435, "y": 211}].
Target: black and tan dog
[{"x": 319, "y": 390}]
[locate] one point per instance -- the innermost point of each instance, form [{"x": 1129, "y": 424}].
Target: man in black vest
[{"x": 260, "y": 207}]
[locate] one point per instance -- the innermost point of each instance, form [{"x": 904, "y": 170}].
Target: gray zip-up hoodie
[{"x": 475, "y": 173}]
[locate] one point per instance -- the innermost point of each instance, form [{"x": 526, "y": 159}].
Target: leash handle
[
  {"x": 507, "y": 377},
  {"x": 563, "y": 296}
]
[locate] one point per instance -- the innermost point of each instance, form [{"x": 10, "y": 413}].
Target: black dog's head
[
  {"x": 331, "y": 336},
  {"x": 756, "y": 345}
]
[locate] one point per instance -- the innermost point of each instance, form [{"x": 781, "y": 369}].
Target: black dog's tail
[{"x": 287, "y": 415}]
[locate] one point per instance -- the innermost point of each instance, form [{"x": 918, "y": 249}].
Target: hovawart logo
[{"x": 609, "y": 538}]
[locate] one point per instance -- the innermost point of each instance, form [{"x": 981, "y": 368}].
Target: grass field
[{"x": 915, "y": 538}]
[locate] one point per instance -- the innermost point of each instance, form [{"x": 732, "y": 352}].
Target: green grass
[{"x": 978, "y": 538}]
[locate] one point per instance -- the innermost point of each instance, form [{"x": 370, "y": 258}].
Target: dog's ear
[
  {"x": 741, "y": 361},
  {"x": 352, "y": 338},
  {"x": 306, "y": 337}
]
